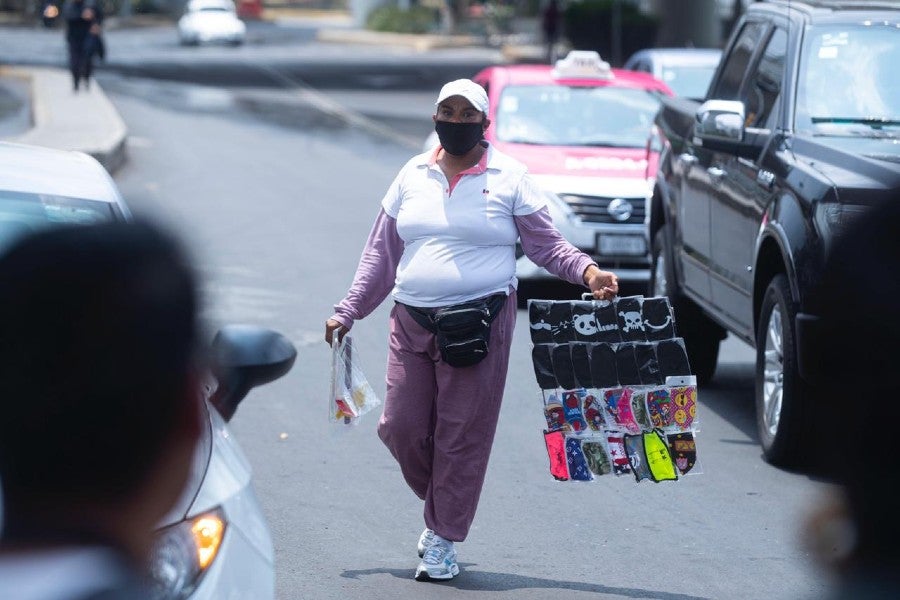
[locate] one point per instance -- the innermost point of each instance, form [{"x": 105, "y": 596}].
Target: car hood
[
  {"x": 199, "y": 467},
  {"x": 628, "y": 163},
  {"x": 219, "y": 470},
  {"x": 853, "y": 163}
]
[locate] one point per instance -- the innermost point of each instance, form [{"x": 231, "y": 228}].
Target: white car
[
  {"x": 215, "y": 542},
  {"x": 211, "y": 22}
]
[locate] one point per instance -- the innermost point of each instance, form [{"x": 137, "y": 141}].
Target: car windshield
[
  {"x": 688, "y": 81},
  {"x": 23, "y": 213},
  {"x": 848, "y": 83},
  {"x": 557, "y": 115}
]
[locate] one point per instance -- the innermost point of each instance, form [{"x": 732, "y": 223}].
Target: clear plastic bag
[{"x": 351, "y": 394}]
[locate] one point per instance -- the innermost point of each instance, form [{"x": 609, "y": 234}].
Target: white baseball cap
[{"x": 469, "y": 90}]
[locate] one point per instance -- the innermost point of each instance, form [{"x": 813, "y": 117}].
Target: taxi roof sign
[{"x": 582, "y": 64}]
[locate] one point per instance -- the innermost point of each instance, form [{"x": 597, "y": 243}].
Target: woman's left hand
[{"x": 603, "y": 284}]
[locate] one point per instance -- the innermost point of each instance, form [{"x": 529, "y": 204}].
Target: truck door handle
[
  {"x": 716, "y": 172},
  {"x": 687, "y": 158}
]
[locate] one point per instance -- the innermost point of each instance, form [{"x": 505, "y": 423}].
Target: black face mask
[{"x": 458, "y": 138}]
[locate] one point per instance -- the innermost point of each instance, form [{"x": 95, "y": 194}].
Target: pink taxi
[{"x": 584, "y": 131}]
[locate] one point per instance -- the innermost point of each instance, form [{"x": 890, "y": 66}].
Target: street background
[{"x": 271, "y": 160}]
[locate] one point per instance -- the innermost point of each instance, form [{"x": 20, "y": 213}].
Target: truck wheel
[
  {"x": 701, "y": 335},
  {"x": 781, "y": 395}
]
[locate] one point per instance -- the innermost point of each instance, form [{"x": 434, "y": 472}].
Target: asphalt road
[
  {"x": 278, "y": 216},
  {"x": 275, "y": 188},
  {"x": 14, "y": 107}
]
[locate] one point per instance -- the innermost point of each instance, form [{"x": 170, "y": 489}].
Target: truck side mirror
[{"x": 721, "y": 120}]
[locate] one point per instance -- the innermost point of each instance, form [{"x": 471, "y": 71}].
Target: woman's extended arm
[
  {"x": 374, "y": 277},
  {"x": 546, "y": 247}
]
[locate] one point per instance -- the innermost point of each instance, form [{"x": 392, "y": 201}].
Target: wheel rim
[
  {"x": 660, "y": 285},
  {"x": 773, "y": 372}
]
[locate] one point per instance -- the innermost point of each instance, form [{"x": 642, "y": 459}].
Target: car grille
[{"x": 595, "y": 209}]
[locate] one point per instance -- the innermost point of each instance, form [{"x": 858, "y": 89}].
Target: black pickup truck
[{"x": 798, "y": 135}]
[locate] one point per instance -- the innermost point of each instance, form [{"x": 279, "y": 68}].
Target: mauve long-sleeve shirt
[{"x": 375, "y": 276}]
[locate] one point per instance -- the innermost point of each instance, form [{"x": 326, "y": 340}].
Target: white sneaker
[
  {"x": 425, "y": 541},
  {"x": 439, "y": 561}
]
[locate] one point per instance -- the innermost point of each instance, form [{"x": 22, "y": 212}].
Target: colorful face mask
[
  {"x": 639, "y": 408},
  {"x": 578, "y": 468},
  {"x": 593, "y": 413},
  {"x": 597, "y": 458},
  {"x": 572, "y": 410},
  {"x": 685, "y": 400},
  {"x": 458, "y": 138},
  {"x": 659, "y": 461},
  {"x": 556, "y": 452},
  {"x": 556, "y": 418},
  {"x": 634, "y": 449},
  {"x": 684, "y": 450},
  {"x": 616, "y": 444},
  {"x": 618, "y": 407},
  {"x": 659, "y": 405}
]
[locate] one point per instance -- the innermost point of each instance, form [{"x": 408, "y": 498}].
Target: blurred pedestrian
[
  {"x": 444, "y": 247},
  {"x": 84, "y": 36},
  {"x": 49, "y": 13},
  {"x": 550, "y": 18},
  {"x": 99, "y": 406},
  {"x": 854, "y": 532}
]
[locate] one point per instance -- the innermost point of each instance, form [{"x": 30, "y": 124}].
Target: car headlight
[{"x": 182, "y": 554}]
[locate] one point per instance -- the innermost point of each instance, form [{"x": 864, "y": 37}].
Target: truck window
[
  {"x": 729, "y": 85},
  {"x": 848, "y": 80},
  {"x": 765, "y": 85}
]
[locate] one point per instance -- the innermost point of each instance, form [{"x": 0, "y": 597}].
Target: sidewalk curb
[{"x": 90, "y": 123}]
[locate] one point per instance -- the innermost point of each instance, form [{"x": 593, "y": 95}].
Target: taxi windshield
[
  {"x": 23, "y": 213},
  {"x": 848, "y": 83},
  {"x": 557, "y": 115}
]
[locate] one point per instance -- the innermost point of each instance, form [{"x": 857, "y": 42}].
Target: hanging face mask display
[
  {"x": 615, "y": 405},
  {"x": 458, "y": 138}
]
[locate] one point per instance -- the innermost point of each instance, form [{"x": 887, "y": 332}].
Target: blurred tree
[
  {"x": 694, "y": 23},
  {"x": 614, "y": 28}
]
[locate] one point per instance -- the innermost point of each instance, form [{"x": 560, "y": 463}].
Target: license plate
[{"x": 614, "y": 244}]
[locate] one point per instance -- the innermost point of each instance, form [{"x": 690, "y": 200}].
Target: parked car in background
[
  {"x": 215, "y": 542},
  {"x": 798, "y": 136},
  {"x": 42, "y": 187},
  {"x": 687, "y": 71},
  {"x": 211, "y": 22},
  {"x": 583, "y": 130}
]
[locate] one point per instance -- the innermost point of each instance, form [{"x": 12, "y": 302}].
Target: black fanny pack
[{"x": 463, "y": 331}]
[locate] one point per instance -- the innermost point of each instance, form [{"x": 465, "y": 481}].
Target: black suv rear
[{"x": 798, "y": 135}]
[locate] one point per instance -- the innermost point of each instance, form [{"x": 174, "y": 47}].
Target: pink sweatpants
[{"x": 439, "y": 421}]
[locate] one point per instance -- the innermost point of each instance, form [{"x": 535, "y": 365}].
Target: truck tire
[
  {"x": 782, "y": 416},
  {"x": 701, "y": 335}
]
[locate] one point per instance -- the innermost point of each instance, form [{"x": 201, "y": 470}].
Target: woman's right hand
[{"x": 330, "y": 327}]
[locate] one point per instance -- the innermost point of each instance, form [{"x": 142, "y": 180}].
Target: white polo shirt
[{"x": 458, "y": 246}]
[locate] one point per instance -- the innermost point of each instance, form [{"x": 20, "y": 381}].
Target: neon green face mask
[{"x": 658, "y": 458}]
